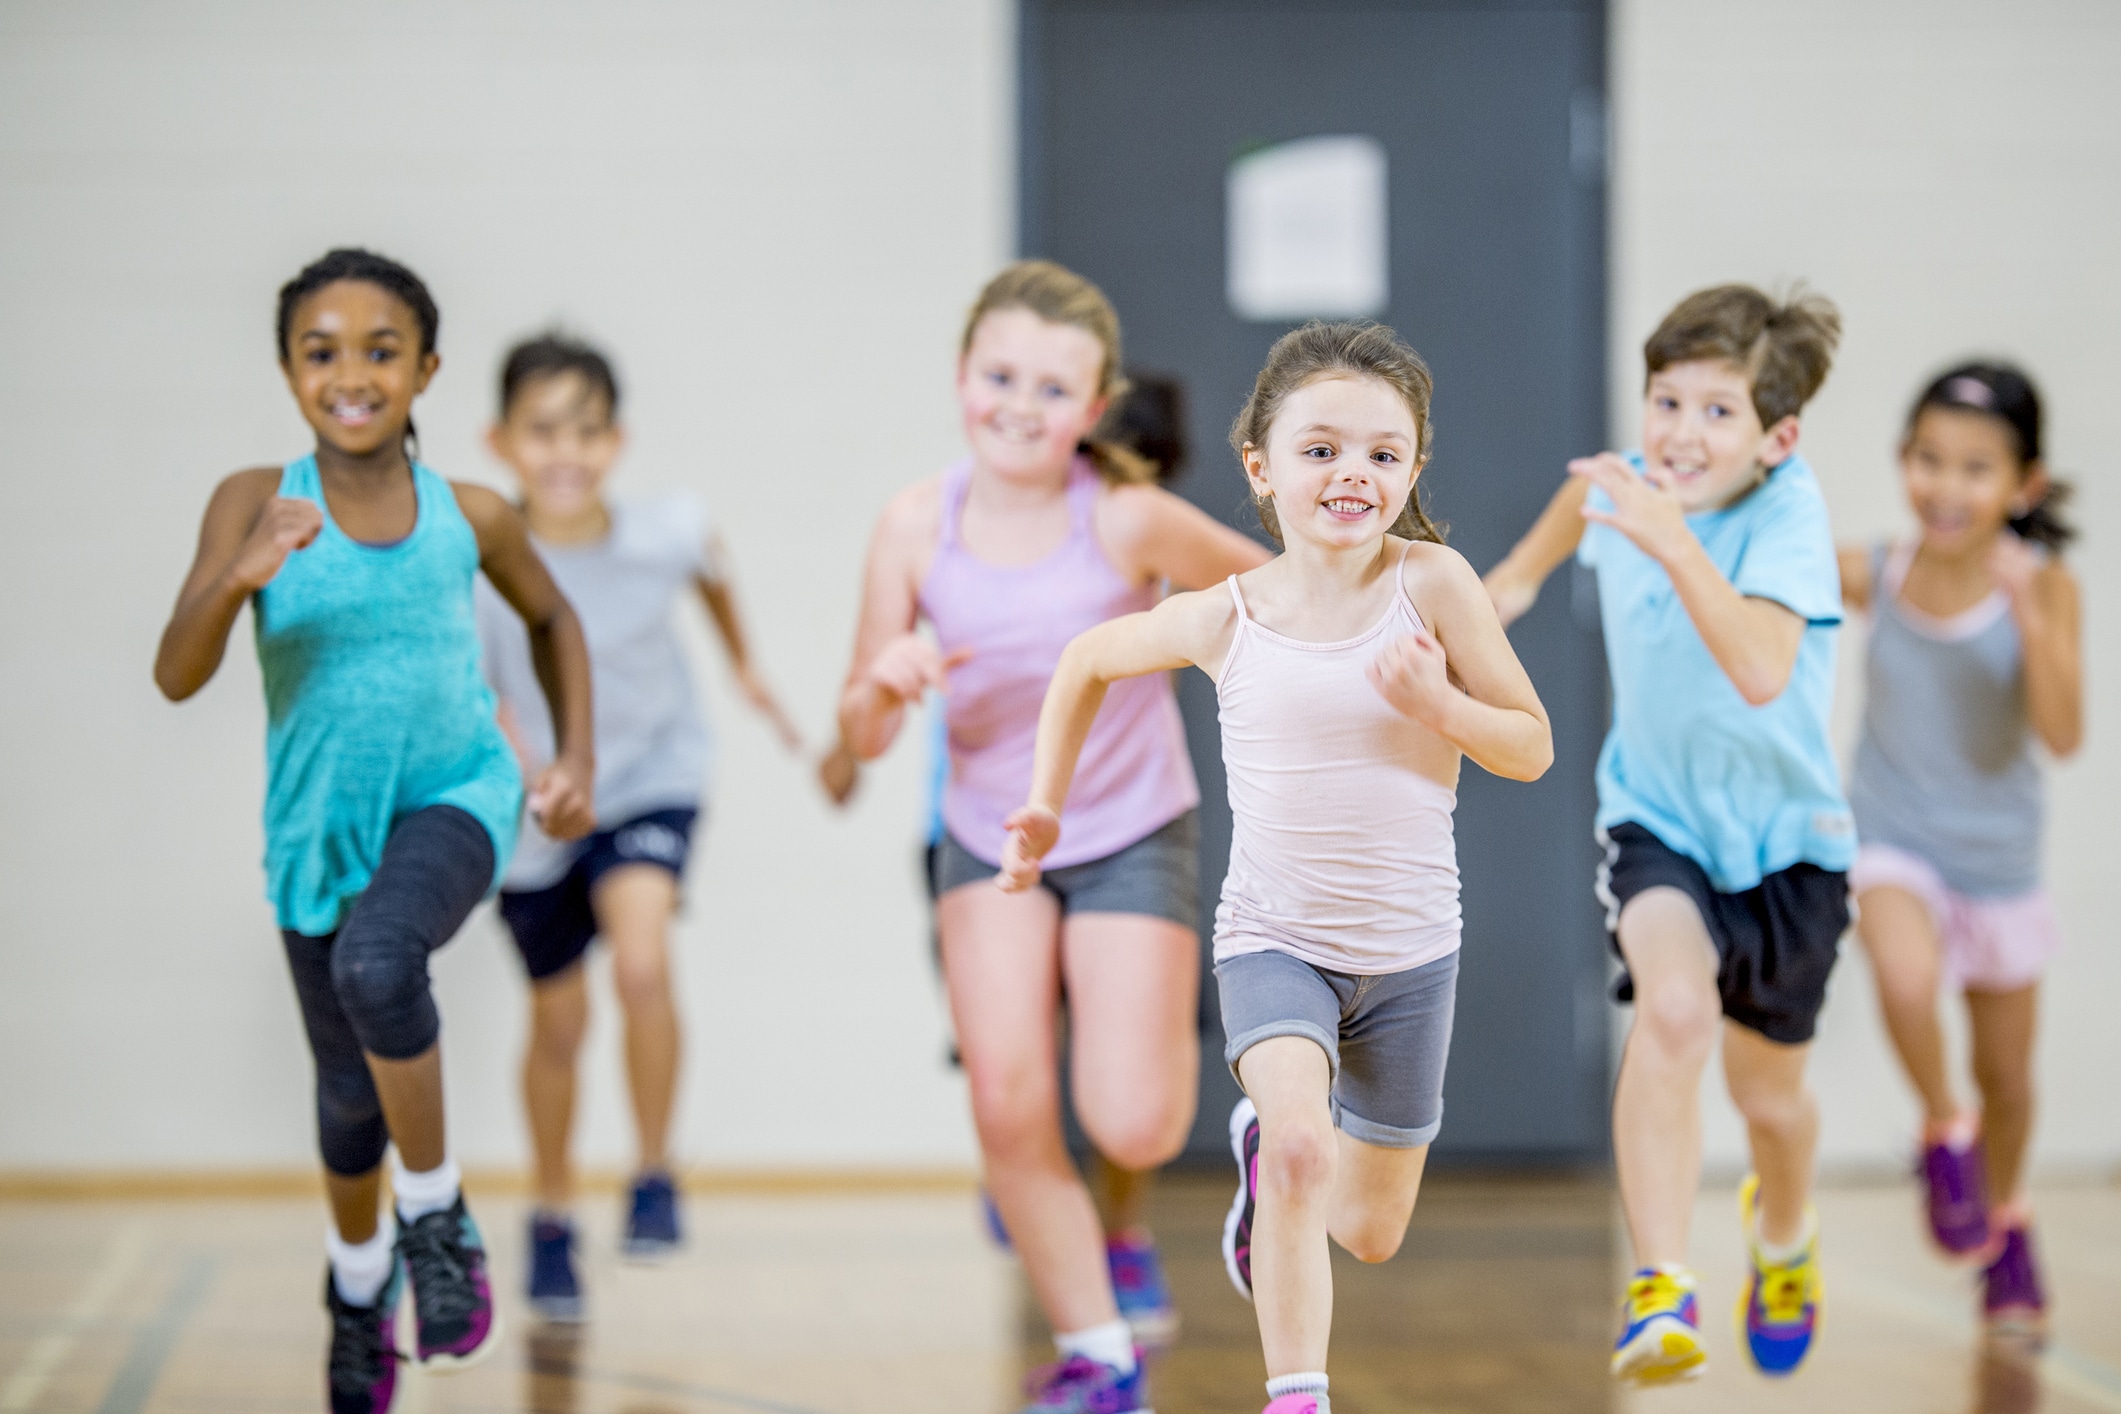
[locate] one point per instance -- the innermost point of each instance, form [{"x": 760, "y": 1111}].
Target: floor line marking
[
  {"x": 657, "y": 1384},
  {"x": 135, "y": 1380},
  {"x": 2061, "y": 1368},
  {"x": 49, "y": 1351}
]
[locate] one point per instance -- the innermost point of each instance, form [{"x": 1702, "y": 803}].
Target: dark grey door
[{"x": 1492, "y": 121}]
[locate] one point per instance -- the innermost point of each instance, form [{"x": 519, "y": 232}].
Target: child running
[
  {"x": 1974, "y": 653},
  {"x": 1353, "y": 672},
  {"x": 391, "y": 794},
  {"x": 623, "y": 565},
  {"x": 1037, "y": 535},
  {"x": 1719, "y": 804}
]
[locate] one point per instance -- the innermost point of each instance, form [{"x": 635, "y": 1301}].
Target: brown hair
[
  {"x": 1356, "y": 350},
  {"x": 1783, "y": 348},
  {"x": 1058, "y": 295}
]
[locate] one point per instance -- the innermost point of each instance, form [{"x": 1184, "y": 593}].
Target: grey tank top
[
  {"x": 653, "y": 747},
  {"x": 1944, "y": 767}
]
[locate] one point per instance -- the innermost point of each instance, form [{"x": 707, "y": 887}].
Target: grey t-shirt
[{"x": 653, "y": 746}]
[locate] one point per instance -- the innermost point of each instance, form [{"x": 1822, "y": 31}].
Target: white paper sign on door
[{"x": 1305, "y": 230}]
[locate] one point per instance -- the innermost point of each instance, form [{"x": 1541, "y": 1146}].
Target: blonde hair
[
  {"x": 1058, "y": 295},
  {"x": 1359, "y": 350}
]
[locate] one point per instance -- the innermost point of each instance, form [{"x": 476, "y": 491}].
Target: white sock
[
  {"x": 1109, "y": 1344},
  {"x": 1781, "y": 1254},
  {"x": 422, "y": 1193},
  {"x": 359, "y": 1269},
  {"x": 1304, "y": 1382}
]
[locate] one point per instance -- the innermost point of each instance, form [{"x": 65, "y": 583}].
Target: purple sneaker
[
  {"x": 451, "y": 1298},
  {"x": 1138, "y": 1286},
  {"x": 2012, "y": 1301},
  {"x": 1958, "y": 1198},
  {"x": 1080, "y": 1386},
  {"x": 362, "y": 1369},
  {"x": 1237, "y": 1227}
]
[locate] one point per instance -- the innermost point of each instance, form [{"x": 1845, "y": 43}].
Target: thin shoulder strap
[
  {"x": 1399, "y": 580},
  {"x": 1084, "y": 482},
  {"x": 1889, "y": 566},
  {"x": 1237, "y": 597},
  {"x": 956, "y": 477}
]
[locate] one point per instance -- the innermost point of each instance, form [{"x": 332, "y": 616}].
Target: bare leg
[
  {"x": 1901, "y": 938},
  {"x": 559, "y": 1016},
  {"x": 1766, "y": 1080},
  {"x": 1657, "y": 1104},
  {"x": 1123, "y": 1198},
  {"x": 1001, "y": 965},
  {"x": 1133, "y": 986},
  {"x": 411, "y": 1092},
  {"x": 355, "y": 1202},
  {"x": 2004, "y": 1024},
  {"x": 1373, "y": 1198},
  {"x": 1289, "y": 1080},
  {"x": 634, "y": 904}
]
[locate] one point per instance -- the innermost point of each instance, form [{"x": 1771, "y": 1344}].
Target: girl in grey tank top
[{"x": 1973, "y": 654}]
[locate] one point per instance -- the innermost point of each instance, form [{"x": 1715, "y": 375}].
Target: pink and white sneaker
[{"x": 1298, "y": 1404}]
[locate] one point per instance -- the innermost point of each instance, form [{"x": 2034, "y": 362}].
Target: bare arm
[
  {"x": 892, "y": 665},
  {"x": 1184, "y": 629},
  {"x": 1462, "y": 680},
  {"x": 1513, "y": 584},
  {"x": 2049, "y": 611},
  {"x": 247, "y": 533},
  {"x": 1753, "y": 640},
  {"x": 1855, "y": 563},
  {"x": 561, "y": 796},
  {"x": 719, "y": 595},
  {"x": 1156, "y": 535}
]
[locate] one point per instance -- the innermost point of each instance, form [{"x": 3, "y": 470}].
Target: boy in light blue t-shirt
[{"x": 1720, "y": 808}]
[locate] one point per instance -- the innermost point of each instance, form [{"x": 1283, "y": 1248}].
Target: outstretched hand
[
  {"x": 1646, "y": 507},
  {"x": 839, "y": 771},
  {"x": 1033, "y": 831},
  {"x": 1411, "y": 674},
  {"x": 285, "y": 525},
  {"x": 909, "y": 665},
  {"x": 560, "y": 801}
]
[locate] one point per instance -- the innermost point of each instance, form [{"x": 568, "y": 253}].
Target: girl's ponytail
[{"x": 1119, "y": 465}]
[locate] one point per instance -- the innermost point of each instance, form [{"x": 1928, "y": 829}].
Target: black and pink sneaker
[
  {"x": 1957, "y": 1202},
  {"x": 362, "y": 1370},
  {"x": 451, "y": 1297},
  {"x": 1237, "y": 1227},
  {"x": 2012, "y": 1301}
]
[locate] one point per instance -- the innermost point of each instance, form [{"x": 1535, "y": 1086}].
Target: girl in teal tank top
[{"x": 391, "y": 794}]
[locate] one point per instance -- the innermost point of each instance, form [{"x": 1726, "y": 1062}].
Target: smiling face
[
  {"x": 354, "y": 363},
  {"x": 1339, "y": 461},
  {"x": 1963, "y": 478},
  {"x": 561, "y": 441},
  {"x": 1699, "y": 427},
  {"x": 1030, "y": 391}
]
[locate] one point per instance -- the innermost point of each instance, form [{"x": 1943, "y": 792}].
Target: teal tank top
[{"x": 375, "y": 705}]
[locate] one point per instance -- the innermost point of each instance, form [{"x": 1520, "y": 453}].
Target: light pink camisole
[
  {"x": 1134, "y": 776},
  {"x": 1341, "y": 851}
]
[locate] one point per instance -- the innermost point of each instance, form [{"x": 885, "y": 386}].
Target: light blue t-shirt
[{"x": 1743, "y": 791}]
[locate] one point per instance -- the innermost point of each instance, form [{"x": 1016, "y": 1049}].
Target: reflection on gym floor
[{"x": 875, "y": 1303}]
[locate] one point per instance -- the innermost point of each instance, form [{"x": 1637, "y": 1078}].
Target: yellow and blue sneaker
[
  {"x": 1783, "y": 1301},
  {"x": 1660, "y": 1340}
]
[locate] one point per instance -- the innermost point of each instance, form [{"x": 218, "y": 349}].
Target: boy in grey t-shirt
[{"x": 623, "y": 565}]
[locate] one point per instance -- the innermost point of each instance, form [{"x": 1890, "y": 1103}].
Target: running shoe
[
  {"x": 1144, "y": 1298},
  {"x": 1779, "y": 1312},
  {"x": 1958, "y": 1198},
  {"x": 362, "y": 1369},
  {"x": 2012, "y": 1300},
  {"x": 1660, "y": 1335},
  {"x": 1237, "y": 1227},
  {"x": 652, "y": 1222},
  {"x": 1082, "y": 1386},
  {"x": 451, "y": 1300},
  {"x": 1299, "y": 1404},
  {"x": 555, "y": 1294}
]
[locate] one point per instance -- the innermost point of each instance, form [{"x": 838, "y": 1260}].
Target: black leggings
[{"x": 364, "y": 988}]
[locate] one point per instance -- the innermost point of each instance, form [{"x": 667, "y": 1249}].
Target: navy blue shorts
[{"x": 554, "y": 926}]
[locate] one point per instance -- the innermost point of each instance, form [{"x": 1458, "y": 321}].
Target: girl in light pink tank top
[
  {"x": 1036, "y": 536},
  {"x": 1353, "y": 672}
]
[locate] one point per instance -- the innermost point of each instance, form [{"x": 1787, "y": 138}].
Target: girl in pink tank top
[
  {"x": 1353, "y": 672},
  {"x": 1033, "y": 538}
]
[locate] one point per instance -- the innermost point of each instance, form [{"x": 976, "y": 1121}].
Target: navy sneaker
[
  {"x": 555, "y": 1294},
  {"x": 452, "y": 1301},
  {"x": 362, "y": 1369},
  {"x": 652, "y": 1225}
]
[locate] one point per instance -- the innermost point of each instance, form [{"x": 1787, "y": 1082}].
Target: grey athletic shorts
[
  {"x": 1158, "y": 876},
  {"x": 1387, "y": 1035}
]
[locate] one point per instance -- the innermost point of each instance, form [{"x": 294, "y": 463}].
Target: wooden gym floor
[{"x": 857, "y": 1303}]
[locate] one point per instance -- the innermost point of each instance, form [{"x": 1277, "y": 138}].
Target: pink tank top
[
  {"x": 1135, "y": 776},
  {"x": 1341, "y": 851}
]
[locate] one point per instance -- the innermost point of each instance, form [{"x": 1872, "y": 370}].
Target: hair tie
[{"x": 1972, "y": 392}]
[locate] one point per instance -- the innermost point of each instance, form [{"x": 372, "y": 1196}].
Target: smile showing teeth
[
  {"x": 352, "y": 412},
  {"x": 1345, "y": 506}
]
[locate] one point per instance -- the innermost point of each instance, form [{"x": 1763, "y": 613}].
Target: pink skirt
[{"x": 1989, "y": 944}]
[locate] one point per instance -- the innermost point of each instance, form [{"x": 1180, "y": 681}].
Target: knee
[
  {"x": 557, "y": 1028},
  {"x": 1017, "y": 1114},
  {"x": 1296, "y": 1160},
  {"x": 383, "y": 991},
  {"x": 1145, "y": 1140},
  {"x": 642, "y": 980},
  {"x": 2006, "y": 1086},
  {"x": 1679, "y": 1019},
  {"x": 1374, "y": 1242},
  {"x": 1781, "y": 1110}
]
